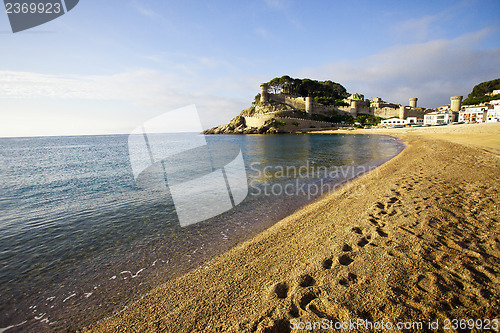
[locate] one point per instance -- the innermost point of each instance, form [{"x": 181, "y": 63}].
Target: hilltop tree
[{"x": 326, "y": 92}]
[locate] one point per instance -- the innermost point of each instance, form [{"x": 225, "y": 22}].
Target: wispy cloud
[
  {"x": 217, "y": 100},
  {"x": 143, "y": 10},
  {"x": 431, "y": 71},
  {"x": 125, "y": 86},
  {"x": 264, "y": 33},
  {"x": 418, "y": 28}
]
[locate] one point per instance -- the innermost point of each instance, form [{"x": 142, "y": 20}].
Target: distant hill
[{"x": 478, "y": 94}]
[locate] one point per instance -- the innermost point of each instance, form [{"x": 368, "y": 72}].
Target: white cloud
[
  {"x": 136, "y": 86},
  {"x": 432, "y": 71},
  {"x": 418, "y": 28},
  {"x": 122, "y": 99}
]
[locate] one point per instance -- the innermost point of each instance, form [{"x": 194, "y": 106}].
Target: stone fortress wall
[
  {"x": 386, "y": 112},
  {"x": 306, "y": 104},
  {"x": 295, "y": 102},
  {"x": 302, "y": 103},
  {"x": 291, "y": 124},
  {"x": 357, "y": 105}
]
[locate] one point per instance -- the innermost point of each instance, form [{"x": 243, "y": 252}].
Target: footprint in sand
[
  {"x": 281, "y": 290},
  {"x": 381, "y": 210},
  {"x": 306, "y": 281},
  {"x": 311, "y": 301},
  {"x": 381, "y": 232},
  {"x": 397, "y": 193},
  {"x": 272, "y": 325},
  {"x": 357, "y": 230},
  {"x": 345, "y": 260},
  {"x": 375, "y": 221},
  {"x": 327, "y": 263},
  {"x": 307, "y": 298},
  {"x": 346, "y": 248},
  {"x": 392, "y": 200},
  {"x": 351, "y": 278},
  {"x": 363, "y": 241}
]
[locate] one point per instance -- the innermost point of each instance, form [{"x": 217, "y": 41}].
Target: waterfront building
[
  {"x": 393, "y": 122},
  {"x": 476, "y": 114},
  {"x": 440, "y": 117},
  {"x": 414, "y": 121},
  {"x": 493, "y": 114}
]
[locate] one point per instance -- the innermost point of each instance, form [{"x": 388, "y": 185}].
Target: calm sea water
[{"x": 80, "y": 239}]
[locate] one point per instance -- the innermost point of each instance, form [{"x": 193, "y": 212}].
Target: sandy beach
[{"x": 415, "y": 241}]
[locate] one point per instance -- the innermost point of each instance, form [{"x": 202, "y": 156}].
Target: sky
[{"x": 106, "y": 67}]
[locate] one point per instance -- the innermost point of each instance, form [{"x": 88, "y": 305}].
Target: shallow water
[{"x": 80, "y": 237}]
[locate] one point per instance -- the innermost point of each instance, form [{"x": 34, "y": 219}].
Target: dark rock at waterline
[{"x": 238, "y": 126}]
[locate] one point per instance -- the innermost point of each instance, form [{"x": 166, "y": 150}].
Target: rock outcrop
[{"x": 238, "y": 126}]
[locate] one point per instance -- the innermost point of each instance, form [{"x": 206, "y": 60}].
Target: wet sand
[{"x": 416, "y": 240}]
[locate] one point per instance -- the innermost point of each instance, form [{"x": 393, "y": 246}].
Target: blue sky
[{"x": 108, "y": 66}]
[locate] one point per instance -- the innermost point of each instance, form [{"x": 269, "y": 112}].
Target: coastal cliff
[
  {"x": 269, "y": 125},
  {"x": 288, "y": 105}
]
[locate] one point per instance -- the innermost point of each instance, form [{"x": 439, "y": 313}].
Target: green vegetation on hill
[
  {"x": 324, "y": 92},
  {"x": 368, "y": 120},
  {"x": 334, "y": 118},
  {"x": 330, "y": 101},
  {"x": 478, "y": 94}
]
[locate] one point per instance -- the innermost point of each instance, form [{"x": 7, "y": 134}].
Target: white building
[
  {"x": 493, "y": 115},
  {"x": 494, "y": 92},
  {"x": 393, "y": 122},
  {"x": 439, "y": 117},
  {"x": 414, "y": 121},
  {"x": 474, "y": 114}
]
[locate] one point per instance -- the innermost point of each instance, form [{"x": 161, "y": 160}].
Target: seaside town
[
  {"x": 453, "y": 113},
  {"x": 287, "y": 105}
]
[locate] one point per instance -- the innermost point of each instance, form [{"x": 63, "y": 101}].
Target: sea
[{"x": 90, "y": 224}]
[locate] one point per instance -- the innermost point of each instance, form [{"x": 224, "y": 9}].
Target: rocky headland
[
  {"x": 238, "y": 125},
  {"x": 287, "y": 105}
]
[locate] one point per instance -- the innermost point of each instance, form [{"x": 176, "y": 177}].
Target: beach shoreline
[{"x": 414, "y": 240}]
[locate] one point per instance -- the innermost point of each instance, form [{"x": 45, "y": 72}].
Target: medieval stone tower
[
  {"x": 264, "y": 95},
  {"x": 456, "y": 103},
  {"x": 413, "y": 102},
  {"x": 354, "y": 108},
  {"x": 309, "y": 104}
]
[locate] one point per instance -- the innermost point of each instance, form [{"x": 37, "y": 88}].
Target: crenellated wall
[
  {"x": 357, "y": 105},
  {"x": 310, "y": 106},
  {"x": 387, "y": 112},
  {"x": 406, "y": 112},
  {"x": 259, "y": 120},
  {"x": 296, "y": 102}
]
